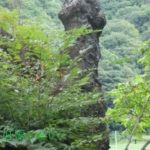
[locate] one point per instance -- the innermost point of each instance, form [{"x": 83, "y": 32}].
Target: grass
[{"x": 133, "y": 146}]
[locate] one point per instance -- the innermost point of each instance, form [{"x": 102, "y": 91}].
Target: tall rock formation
[{"x": 74, "y": 14}]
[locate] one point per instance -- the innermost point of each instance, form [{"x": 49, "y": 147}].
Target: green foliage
[
  {"x": 135, "y": 11},
  {"x": 132, "y": 101},
  {"x": 8, "y": 20},
  {"x": 40, "y": 12},
  {"x": 126, "y": 29},
  {"x": 40, "y": 92},
  {"x": 145, "y": 60},
  {"x": 139, "y": 17},
  {"x": 118, "y": 63}
]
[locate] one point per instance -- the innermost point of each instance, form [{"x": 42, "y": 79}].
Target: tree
[{"x": 132, "y": 102}]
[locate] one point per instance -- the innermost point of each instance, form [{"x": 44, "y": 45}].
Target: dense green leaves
[
  {"x": 40, "y": 92},
  {"x": 132, "y": 102}
]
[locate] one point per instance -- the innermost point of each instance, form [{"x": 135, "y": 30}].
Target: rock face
[{"x": 74, "y": 14}]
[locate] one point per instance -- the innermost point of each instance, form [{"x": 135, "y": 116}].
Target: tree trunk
[{"x": 74, "y": 14}]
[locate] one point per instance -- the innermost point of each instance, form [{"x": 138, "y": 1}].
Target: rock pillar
[{"x": 77, "y": 13}]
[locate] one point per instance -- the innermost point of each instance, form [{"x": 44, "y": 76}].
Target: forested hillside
[
  {"x": 43, "y": 101},
  {"x": 42, "y": 12},
  {"x": 127, "y": 27}
]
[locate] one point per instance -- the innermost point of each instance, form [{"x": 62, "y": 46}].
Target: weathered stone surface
[{"x": 74, "y": 14}]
